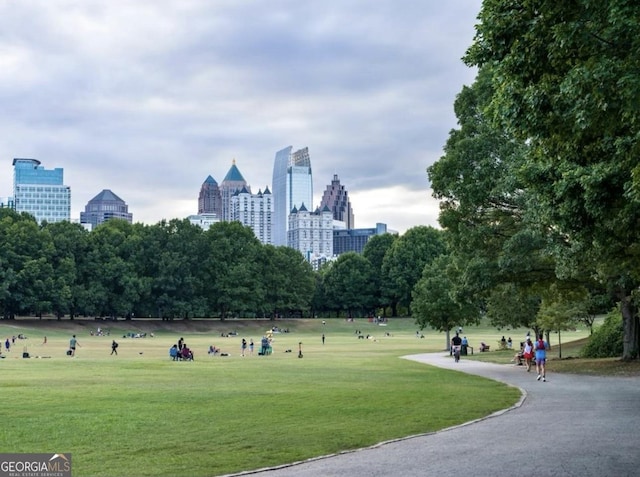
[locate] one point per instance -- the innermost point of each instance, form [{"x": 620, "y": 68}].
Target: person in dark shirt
[{"x": 456, "y": 341}]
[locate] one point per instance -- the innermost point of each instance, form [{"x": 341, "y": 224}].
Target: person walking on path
[
  {"x": 456, "y": 342},
  {"x": 73, "y": 342},
  {"x": 114, "y": 347},
  {"x": 541, "y": 348},
  {"x": 527, "y": 353}
]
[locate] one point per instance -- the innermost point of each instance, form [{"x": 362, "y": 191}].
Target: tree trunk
[{"x": 631, "y": 328}]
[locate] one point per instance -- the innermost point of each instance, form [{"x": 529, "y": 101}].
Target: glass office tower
[
  {"x": 292, "y": 186},
  {"x": 40, "y": 192}
]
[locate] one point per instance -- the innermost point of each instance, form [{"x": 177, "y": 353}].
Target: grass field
[{"x": 141, "y": 414}]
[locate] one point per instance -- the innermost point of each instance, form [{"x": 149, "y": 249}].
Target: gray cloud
[{"x": 148, "y": 98}]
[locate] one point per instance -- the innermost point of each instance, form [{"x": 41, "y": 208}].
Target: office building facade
[
  {"x": 336, "y": 198},
  {"x": 103, "y": 207},
  {"x": 292, "y": 186},
  {"x": 254, "y": 210},
  {"x": 210, "y": 198},
  {"x": 354, "y": 240},
  {"x": 40, "y": 192}
]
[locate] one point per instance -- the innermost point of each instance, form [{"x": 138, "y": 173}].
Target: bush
[{"x": 606, "y": 341}]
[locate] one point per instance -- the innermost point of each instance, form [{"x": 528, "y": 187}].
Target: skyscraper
[
  {"x": 336, "y": 198},
  {"x": 40, "y": 192},
  {"x": 254, "y": 210},
  {"x": 105, "y": 206},
  {"x": 292, "y": 187},
  {"x": 233, "y": 182},
  {"x": 311, "y": 233},
  {"x": 210, "y": 198}
]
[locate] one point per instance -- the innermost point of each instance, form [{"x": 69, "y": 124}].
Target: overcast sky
[{"x": 149, "y": 97}]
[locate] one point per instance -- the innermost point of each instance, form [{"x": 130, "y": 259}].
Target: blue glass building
[
  {"x": 40, "y": 192},
  {"x": 354, "y": 240},
  {"x": 292, "y": 187}
]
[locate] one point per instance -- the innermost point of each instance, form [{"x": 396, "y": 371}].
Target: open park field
[{"x": 141, "y": 414}]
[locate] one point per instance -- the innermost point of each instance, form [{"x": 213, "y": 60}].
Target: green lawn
[{"x": 139, "y": 414}]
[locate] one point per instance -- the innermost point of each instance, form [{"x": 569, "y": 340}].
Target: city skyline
[{"x": 156, "y": 96}]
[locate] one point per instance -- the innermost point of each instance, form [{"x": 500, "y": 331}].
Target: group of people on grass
[
  {"x": 11, "y": 341},
  {"x": 180, "y": 351}
]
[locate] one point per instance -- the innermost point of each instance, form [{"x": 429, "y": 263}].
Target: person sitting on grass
[
  {"x": 187, "y": 354},
  {"x": 173, "y": 352},
  {"x": 213, "y": 350}
]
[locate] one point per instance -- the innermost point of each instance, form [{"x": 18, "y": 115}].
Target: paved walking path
[{"x": 571, "y": 425}]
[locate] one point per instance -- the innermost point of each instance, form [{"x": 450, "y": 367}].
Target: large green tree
[
  {"x": 435, "y": 303},
  {"x": 404, "y": 261},
  {"x": 374, "y": 251},
  {"x": 24, "y": 267},
  {"x": 288, "y": 281},
  {"x": 230, "y": 269},
  {"x": 566, "y": 82},
  {"x": 69, "y": 260},
  {"x": 169, "y": 265},
  {"x": 113, "y": 279},
  {"x": 349, "y": 284}
]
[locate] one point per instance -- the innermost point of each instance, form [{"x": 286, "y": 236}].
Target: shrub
[{"x": 606, "y": 341}]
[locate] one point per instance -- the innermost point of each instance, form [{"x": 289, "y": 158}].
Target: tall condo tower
[
  {"x": 292, "y": 187},
  {"x": 210, "y": 198},
  {"x": 40, "y": 192},
  {"x": 254, "y": 211},
  {"x": 105, "y": 206},
  {"x": 233, "y": 182},
  {"x": 336, "y": 198}
]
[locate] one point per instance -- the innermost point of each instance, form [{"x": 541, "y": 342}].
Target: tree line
[
  {"x": 174, "y": 270},
  {"x": 540, "y": 183}
]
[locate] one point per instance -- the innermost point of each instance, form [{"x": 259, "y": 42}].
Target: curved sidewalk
[{"x": 569, "y": 426}]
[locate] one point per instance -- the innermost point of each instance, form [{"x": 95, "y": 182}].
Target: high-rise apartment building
[
  {"x": 40, "y": 192},
  {"x": 311, "y": 233},
  {"x": 103, "y": 207},
  {"x": 233, "y": 182},
  {"x": 292, "y": 187},
  {"x": 254, "y": 210},
  {"x": 210, "y": 198},
  {"x": 336, "y": 198}
]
